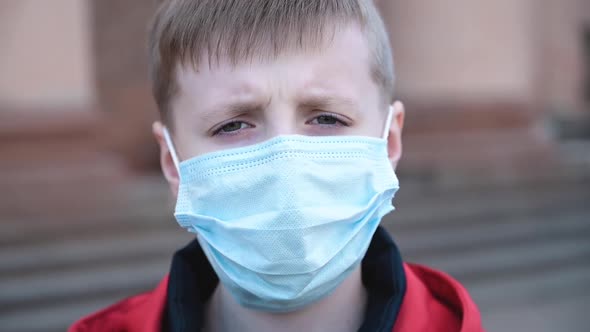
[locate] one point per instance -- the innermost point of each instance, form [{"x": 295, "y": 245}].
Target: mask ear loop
[
  {"x": 388, "y": 123},
  {"x": 170, "y": 145}
]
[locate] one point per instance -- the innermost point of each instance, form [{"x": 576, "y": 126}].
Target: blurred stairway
[
  {"x": 516, "y": 246},
  {"x": 522, "y": 251}
]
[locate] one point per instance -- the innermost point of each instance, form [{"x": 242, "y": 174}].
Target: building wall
[
  {"x": 462, "y": 66},
  {"x": 46, "y": 60},
  {"x": 470, "y": 50},
  {"x": 560, "y": 51}
]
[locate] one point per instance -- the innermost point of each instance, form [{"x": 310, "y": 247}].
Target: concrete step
[
  {"x": 81, "y": 252},
  {"x": 148, "y": 204},
  {"x": 77, "y": 198},
  {"x": 510, "y": 149},
  {"x": 56, "y": 318},
  {"x": 489, "y": 233},
  {"x": 533, "y": 288},
  {"x": 52, "y": 287},
  {"x": 504, "y": 243},
  {"x": 537, "y": 256},
  {"x": 479, "y": 252},
  {"x": 442, "y": 209},
  {"x": 131, "y": 241},
  {"x": 54, "y": 292},
  {"x": 566, "y": 313}
]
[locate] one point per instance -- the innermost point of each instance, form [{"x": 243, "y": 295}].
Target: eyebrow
[
  {"x": 321, "y": 100},
  {"x": 328, "y": 101},
  {"x": 232, "y": 109}
]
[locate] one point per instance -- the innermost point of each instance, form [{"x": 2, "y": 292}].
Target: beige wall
[
  {"x": 46, "y": 60},
  {"x": 561, "y": 64},
  {"x": 463, "y": 49},
  {"x": 523, "y": 50},
  {"x": 585, "y": 12}
]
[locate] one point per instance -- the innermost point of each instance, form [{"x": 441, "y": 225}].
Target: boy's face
[{"x": 323, "y": 92}]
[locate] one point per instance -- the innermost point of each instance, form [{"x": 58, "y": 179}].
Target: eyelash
[
  {"x": 219, "y": 130},
  {"x": 339, "y": 119}
]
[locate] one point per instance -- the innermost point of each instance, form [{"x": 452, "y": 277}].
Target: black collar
[{"x": 192, "y": 281}]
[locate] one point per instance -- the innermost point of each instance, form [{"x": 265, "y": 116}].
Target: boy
[{"x": 279, "y": 138}]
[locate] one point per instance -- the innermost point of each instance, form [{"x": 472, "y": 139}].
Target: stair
[{"x": 515, "y": 246}]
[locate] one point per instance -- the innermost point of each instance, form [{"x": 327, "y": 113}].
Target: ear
[
  {"x": 394, "y": 141},
  {"x": 166, "y": 162}
]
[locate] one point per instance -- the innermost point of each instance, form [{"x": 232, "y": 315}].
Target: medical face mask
[{"x": 284, "y": 222}]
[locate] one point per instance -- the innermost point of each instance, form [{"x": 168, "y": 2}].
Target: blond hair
[{"x": 184, "y": 31}]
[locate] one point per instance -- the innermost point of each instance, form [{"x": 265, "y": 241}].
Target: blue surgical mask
[{"x": 284, "y": 222}]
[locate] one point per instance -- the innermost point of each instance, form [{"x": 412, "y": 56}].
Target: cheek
[
  {"x": 188, "y": 144},
  {"x": 244, "y": 138},
  {"x": 372, "y": 124},
  {"x": 373, "y": 111},
  {"x": 375, "y": 129}
]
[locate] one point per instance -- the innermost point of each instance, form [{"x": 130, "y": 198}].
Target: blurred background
[{"x": 495, "y": 175}]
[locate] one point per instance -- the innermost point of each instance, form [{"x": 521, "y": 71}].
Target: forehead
[
  {"x": 221, "y": 50},
  {"x": 338, "y": 62},
  {"x": 239, "y": 30}
]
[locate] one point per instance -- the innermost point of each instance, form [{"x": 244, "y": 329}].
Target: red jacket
[{"x": 433, "y": 302}]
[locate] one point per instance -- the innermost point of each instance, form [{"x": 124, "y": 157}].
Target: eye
[
  {"x": 231, "y": 127},
  {"x": 328, "y": 120}
]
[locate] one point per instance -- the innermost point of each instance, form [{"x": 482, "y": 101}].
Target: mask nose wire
[
  {"x": 388, "y": 123},
  {"x": 170, "y": 145}
]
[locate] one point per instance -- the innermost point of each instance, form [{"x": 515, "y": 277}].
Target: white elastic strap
[
  {"x": 170, "y": 145},
  {"x": 388, "y": 123}
]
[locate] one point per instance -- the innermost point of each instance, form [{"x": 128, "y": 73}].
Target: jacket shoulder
[
  {"x": 142, "y": 312},
  {"x": 434, "y": 301}
]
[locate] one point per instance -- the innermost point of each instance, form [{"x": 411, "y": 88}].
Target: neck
[{"x": 343, "y": 310}]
